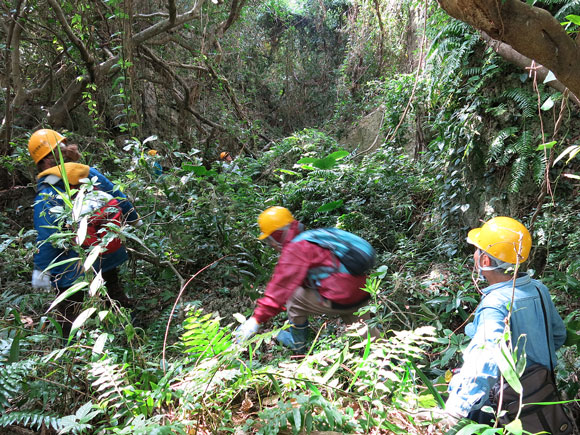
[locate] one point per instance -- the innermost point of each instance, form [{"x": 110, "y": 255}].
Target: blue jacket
[
  {"x": 469, "y": 389},
  {"x": 44, "y": 219}
]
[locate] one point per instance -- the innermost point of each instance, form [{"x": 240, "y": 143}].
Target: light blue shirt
[{"x": 469, "y": 389}]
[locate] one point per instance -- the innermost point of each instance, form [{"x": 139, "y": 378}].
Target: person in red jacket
[{"x": 339, "y": 294}]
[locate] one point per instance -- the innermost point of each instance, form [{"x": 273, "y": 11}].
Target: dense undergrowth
[{"x": 469, "y": 147}]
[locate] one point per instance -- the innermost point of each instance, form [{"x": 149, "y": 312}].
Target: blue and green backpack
[{"x": 355, "y": 255}]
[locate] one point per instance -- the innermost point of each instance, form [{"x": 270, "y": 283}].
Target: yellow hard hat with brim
[{"x": 273, "y": 219}]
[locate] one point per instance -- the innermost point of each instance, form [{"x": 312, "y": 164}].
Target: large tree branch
[
  {"x": 518, "y": 59},
  {"x": 531, "y": 31},
  {"x": 170, "y": 23},
  {"x": 78, "y": 43}
]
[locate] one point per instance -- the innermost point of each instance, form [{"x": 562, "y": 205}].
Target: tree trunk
[{"x": 531, "y": 31}]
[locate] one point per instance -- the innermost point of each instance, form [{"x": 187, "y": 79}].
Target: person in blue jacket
[
  {"x": 501, "y": 244},
  {"x": 45, "y": 146}
]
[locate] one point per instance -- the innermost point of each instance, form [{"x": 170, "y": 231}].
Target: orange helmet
[
  {"x": 152, "y": 153},
  {"x": 503, "y": 238},
  {"x": 273, "y": 219},
  {"x": 42, "y": 142},
  {"x": 224, "y": 155}
]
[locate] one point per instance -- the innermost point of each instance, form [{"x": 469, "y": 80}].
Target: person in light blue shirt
[{"x": 502, "y": 245}]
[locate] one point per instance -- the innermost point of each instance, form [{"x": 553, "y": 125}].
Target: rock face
[{"x": 366, "y": 136}]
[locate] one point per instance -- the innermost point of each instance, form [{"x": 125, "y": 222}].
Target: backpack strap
[{"x": 547, "y": 335}]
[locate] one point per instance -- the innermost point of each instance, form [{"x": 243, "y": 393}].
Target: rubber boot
[{"x": 294, "y": 338}]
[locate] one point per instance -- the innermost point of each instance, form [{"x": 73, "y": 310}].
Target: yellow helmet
[
  {"x": 42, "y": 142},
  {"x": 223, "y": 155},
  {"x": 503, "y": 238},
  {"x": 273, "y": 219}
]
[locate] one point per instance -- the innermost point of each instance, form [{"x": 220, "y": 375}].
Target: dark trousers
[{"x": 68, "y": 310}]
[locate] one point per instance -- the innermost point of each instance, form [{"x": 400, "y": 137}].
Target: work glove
[
  {"x": 40, "y": 280},
  {"x": 246, "y": 330}
]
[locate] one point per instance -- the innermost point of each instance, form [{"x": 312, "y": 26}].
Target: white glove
[
  {"x": 246, "y": 330},
  {"x": 40, "y": 280}
]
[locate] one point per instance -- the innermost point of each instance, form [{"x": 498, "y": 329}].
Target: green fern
[
  {"x": 203, "y": 337},
  {"x": 518, "y": 172},
  {"x": 524, "y": 99},
  {"x": 497, "y": 146},
  {"x": 157, "y": 329},
  {"x": 12, "y": 377},
  {"x": 110, "y": 381},
  {"x": 32, "y": 419},
  {"x": 523, "y": 145},
  {"x": 538, "y": 167}
]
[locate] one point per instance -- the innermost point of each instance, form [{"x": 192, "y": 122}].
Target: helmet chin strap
[{"x": 498, "y": 264}]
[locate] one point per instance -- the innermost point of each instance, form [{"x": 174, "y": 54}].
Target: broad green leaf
[
  {"x": 239, "y": 317},
  {"x": 70, "y": 291},
  {"x": 572, "y": 176},
  {"x": 572, "y": 150},
  {"x": 149, "y": 139},
  {"x": 14, "y": 353},
  {"x": 287, "y": 171},
  {"x": 96, "y": 284},
  {"x": 82, "y": 231},
  {"x": 506, "y": 364},
  {"x": 60, "y": 263},
  {"x": 330, "y": 206},
  {"x": 548, "y": 104},
  {"x": 306, "y": 160},
  {"x": 297, "y": 418},
  {"x": 92, "y": 257},
  {"x": 471, "y": 429},
  {"x": 546, "y": 146},
  {"x": 80, "y": 321},
  {"x": 78, "y": 205},
  {"x": 574, "y": 19},
  {"x": 429, "y": 385},
  {"x": 550, "y": 77},
  {"x": 100, "y": 344},
  {"x": 325, "y": 163},
  {"x": 313, "y": 388},
  {"x": 515, "y": 427},
  {"x": 338, "y": 155}
]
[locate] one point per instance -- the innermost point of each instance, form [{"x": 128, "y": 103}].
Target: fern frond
[
  {"x": 473, "y": 71},
  {"x": 110, "y": 381},
  {"x": 524, "y": 99},
  {"x": 539, "y": 168},
  {"x": 523, "y": 145},
  {"x": 32, "y": 419},
  {"x": 5, "y": 346},
  {"x": 12, "y": 376},
  {"x": 497, "y": 144},
  {"x": 518, "y": 173},
  {"x": 157, "y": 329},
  {"x": 203, "y": 336}
]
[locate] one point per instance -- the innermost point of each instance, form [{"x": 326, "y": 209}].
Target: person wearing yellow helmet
[
  {"x": 512, "y": 298},
  {"x": 226, "y": 157},
  {"x": 46, "y": 148},
  {"x": 309, "y": 279}
]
